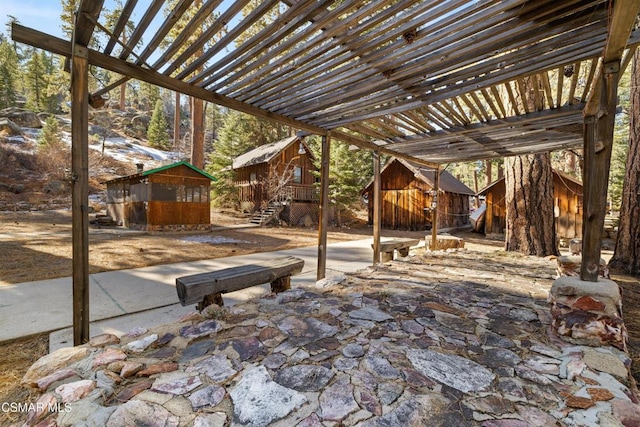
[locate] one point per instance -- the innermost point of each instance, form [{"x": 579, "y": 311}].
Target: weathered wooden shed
[
  {"x": 567, "y": 195},
  {"x": 281, "y": 173},
  {"x": 172, "y": 197},
  {"x": 407, "y": 194}
]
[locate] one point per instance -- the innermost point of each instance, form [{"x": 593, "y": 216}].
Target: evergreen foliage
[
  {"x": 620, "y": 143},
  {"x": 157, "y": 133},
  {"x": 9, "y": 74},
  {"x": 349, "y": 172},
  {"x": 239, "y": 134},
  {"x": 50, "y": 133}
]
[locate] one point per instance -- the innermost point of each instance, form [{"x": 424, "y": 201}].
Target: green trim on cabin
[
  {"x": 183, "y": 162},
  {"x": 163, "y": 168}
]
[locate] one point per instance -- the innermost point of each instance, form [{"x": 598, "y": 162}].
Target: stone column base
[
  {"x": 588, "y": 313},
  {"x": 570, "y": 266}
]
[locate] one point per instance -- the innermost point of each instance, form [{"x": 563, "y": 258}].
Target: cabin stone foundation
[
  {"x": 172, "y": 227},
  {"x": 588, "y": 313}
]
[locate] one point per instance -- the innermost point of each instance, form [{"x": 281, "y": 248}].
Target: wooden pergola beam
[{"x": 62, "y": 47}]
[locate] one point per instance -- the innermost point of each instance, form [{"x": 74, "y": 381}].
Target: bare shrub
[{"x": 54, "y": 159}]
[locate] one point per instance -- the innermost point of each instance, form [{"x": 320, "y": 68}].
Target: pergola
[{"x": 429, "y": 81}]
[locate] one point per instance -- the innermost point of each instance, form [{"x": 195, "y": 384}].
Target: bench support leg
[
  {"x": 210, "y": 299},
  {"x": 281, "y": 284},
  {"x": 386, "y": 256}
]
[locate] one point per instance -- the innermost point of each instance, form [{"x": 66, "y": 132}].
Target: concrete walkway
[{"x": 146, "y": 296}]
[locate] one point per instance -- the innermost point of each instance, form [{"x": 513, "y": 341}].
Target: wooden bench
[
  {"x": 207, "y": 288},
  {"x": 402, "y": 245}
]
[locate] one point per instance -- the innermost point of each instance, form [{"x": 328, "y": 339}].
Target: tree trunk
[
  {"x": 197, "y": 133},
  {"x": 529, "y": 203},
  {"x": 626, "y": 256},
  {"x": 489, "y": 171},
  {"x": 176, "y": 123},
  {"x": 123, "y": 95}
]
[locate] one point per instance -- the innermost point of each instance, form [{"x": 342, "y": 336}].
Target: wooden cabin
[
  {"x": 407, "y": 193},
  {"x": 567, "y": 195},
  {"x": 172, "y": 197},
  {"x": 282, "y": 174}
]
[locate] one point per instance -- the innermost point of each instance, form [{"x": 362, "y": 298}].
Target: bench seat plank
[
  {"x": 192, "y": 289},
  {"x": 402, "y": 244},
  {"x": 390, "y": 245}
]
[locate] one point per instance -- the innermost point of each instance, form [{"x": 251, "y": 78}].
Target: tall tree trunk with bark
[
  {"x": 626, "y": 257},
  {"x": 529, "y": 202},
  {"x": 488, "y": 172},
  {"x": 176, "y": 122},
  {"x": 529, "y": 196},
  {"x": 197, "y": 132}
]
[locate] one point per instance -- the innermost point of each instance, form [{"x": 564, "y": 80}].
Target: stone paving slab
[{"x": 440, "y": 339}]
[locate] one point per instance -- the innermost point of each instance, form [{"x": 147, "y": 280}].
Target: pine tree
[
  {"x": 529, "y": 199},
  {"x": 239, "y": 134},
  {"x": 67, "y": 16},
  {"x": 50, "y": 133},
  {"x": 626, "y": 257},
  {"x": 157, "y": 133},
  {"x": 349, "y": 172},
  {"x": 9, "y": 65}
]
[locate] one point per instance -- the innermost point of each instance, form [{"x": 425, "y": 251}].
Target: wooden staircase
[{"x": 265, "y": 216}]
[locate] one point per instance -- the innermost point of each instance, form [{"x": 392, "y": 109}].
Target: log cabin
[
  {"x": 280, "y": 174},
  {"x": 168, "y": 198},
  {"x": 567, "y": 196},
  {"x": 407, "y": 195}
]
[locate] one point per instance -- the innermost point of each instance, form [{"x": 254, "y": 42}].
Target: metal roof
[
  {"x": 263, "y": 153},
  {"x": 436, "y": 81},
  {"x": 161, "y": 169},
  {"x": 448, "y": 182},
  {"x": 561, "y": 175}
]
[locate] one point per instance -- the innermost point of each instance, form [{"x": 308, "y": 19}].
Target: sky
[{"x": 41, "y": 15}]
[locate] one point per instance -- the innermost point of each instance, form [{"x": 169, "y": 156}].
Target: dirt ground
[{"x": 37, "y": 245}]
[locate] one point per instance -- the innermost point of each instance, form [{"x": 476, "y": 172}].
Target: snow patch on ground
[
  {"x": 216, "y": 240},
  {"x": 124, "y": 149},
  {"x": 120, "y": 148}
]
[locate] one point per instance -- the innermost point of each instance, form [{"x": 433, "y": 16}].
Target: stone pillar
[{"x": 588, "y": 313}]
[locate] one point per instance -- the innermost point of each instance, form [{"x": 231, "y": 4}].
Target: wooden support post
[
  {"x": 80, "y": 192},
  {"x": 434, "y": 206},
  {"x": 598, "y": 143},
  {"x": 324, "y": 206},
  {"x": 377, "y": 207}
]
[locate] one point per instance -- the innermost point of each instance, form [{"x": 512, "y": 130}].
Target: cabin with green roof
[{"x": 168, "y": 198}]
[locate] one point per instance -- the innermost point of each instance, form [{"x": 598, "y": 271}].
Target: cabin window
[
  {"x": 138, "y": 192},
  {"x": 253, "y": 177},
  {"x": 115, "y": 193},
  {"x": 204, "y": 194},
  {"x": 164, "y": 193},
  {"x": 297, "y": 175},
  {"x": 127, "y": 194}
]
